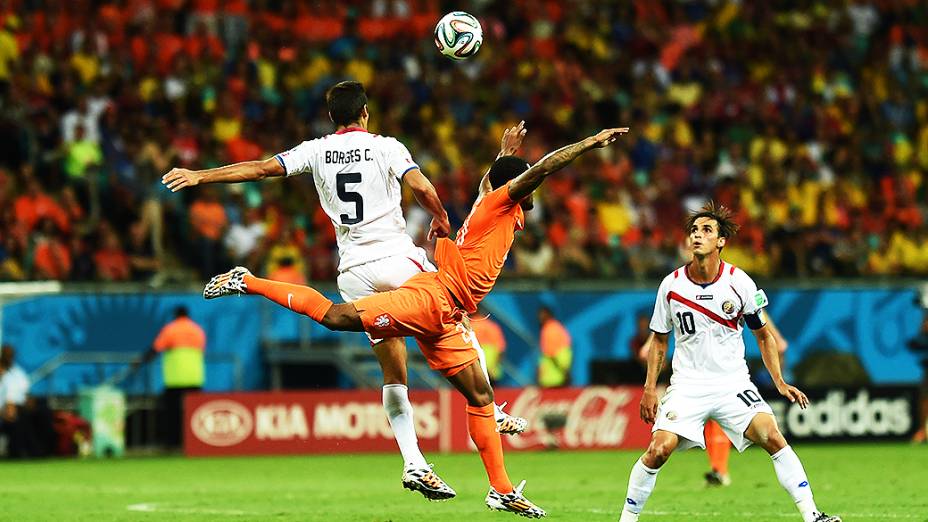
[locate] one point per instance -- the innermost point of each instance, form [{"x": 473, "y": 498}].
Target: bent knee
[
  {"x": 658, "y": 452},
  {"x": 770, "y": 438}
]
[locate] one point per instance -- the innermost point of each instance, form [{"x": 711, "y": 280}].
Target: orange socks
[
  {"x": 717, "y": 446},
  {"x": 482, "y": 427},
  {"x": 300, "y": 299}
]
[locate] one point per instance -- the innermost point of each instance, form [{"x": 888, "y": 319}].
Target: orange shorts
[{"x": 422, "y": 308}]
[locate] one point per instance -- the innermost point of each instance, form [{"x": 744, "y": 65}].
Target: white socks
[
  {"x": 793, "y": 479},
  {"x": 399, "y": 412},
  {"x": 640, "y": 485}
]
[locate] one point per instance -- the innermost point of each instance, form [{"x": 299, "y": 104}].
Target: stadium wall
[
  {"x": 872, "y": 323},
  {"x": 592, "y": 417}
]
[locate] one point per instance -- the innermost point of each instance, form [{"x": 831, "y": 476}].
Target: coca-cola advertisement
[{"x": 596, "y": 417}]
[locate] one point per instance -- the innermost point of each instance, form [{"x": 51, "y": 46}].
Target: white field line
[
  {"x": 154, "y": 507},
  {"x": 751, "y": 515}
]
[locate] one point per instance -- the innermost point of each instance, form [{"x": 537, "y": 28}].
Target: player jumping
[
  {"x": 357, "y": 176},
  {"x": 431, "y": 306},
  {"x": 703, "y": 303}
]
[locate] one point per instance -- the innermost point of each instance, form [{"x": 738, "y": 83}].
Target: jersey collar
[
  {"x": 351, "y": 129},
  {"x": 686, "y": 270}
]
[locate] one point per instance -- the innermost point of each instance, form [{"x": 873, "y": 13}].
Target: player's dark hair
[
  {"x": 506, "y": 168},
  {"x": 721, "y": 214},
  {"x": 181, "y": 311},
  {"x": 345, "y": 101}
]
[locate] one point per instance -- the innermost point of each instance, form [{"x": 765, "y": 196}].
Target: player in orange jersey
[{"x": 432, "y": 305}]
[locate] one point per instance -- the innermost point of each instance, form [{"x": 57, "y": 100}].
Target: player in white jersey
[
  {"x": 703, "y": 305},
  {"x": 358, "y": 177}
]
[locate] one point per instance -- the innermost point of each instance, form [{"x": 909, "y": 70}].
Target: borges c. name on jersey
[
  {"x": 357, "y": 175},
  {"x": 706, "y": 320}
]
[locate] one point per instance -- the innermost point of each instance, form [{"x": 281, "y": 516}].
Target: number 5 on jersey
[{"x": 342, "y": 179}]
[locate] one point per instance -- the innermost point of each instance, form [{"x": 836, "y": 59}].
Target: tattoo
[{"x": 528, "y": 181}]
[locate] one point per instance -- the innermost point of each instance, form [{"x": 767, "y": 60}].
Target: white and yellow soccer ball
[{"x": 458, "y": 35}]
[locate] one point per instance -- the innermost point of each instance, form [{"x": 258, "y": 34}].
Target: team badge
[
  {"x": 728, "y": 307},
  {"x": 672, "y": 415},
  {"x": 382, "y": 321}
]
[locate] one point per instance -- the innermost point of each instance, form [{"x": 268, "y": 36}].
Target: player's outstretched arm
[
  {"x": 771, "y": 356},
  {"x": 528, "y": 181},
  {"x": 178, "y": 178},
  {"x": 656, "y": 355},
  {"x": 428, "y": 199}
]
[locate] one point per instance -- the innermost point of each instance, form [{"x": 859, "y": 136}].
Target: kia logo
[{"x": 221, "y": 423}]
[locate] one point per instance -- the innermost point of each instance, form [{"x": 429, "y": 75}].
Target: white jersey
[
  {"x": 707, "y": 326},
  {"x": 357, "y": 175}
]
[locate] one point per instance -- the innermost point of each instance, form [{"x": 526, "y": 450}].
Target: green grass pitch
[{"x": 884, "y": 482}]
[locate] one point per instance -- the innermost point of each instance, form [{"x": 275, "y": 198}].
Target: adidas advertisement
[{"x": 870, "y": 413}]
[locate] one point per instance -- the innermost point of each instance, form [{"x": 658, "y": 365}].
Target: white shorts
[
  {"x": 382, "y": 275},
  {"x": 685, "y": 409}
]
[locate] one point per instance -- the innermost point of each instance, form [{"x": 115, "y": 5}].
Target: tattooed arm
[
  {"x": 656, "y": 356},
  {"x": 526, "y": 183}
]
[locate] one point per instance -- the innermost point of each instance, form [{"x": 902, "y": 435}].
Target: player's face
[
  {"x": 704, "y": 237},
  {"x": 528, "y": 203}
]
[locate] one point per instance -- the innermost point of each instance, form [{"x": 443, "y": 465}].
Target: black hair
[
  {"x": 181, "y": 311},
  {"x": 505, "y": 169},
  {"x": 345, "y": 101}
]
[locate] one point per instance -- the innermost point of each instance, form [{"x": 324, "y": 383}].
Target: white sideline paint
[
  {"x": 155, "y": 507},
  {"x": 745, "y": 515}
]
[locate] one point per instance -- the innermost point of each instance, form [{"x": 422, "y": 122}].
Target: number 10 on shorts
[{"x": 749, "y": 398}]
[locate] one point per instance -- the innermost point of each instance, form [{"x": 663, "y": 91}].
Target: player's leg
[
  {"x": 301, "y": 299},
  {"x": 505, "y": 423},
  {"x": 764, "y": 432},
  {"x": 417, "y": 474},
  {"x": 718, "y": 448},
  {"x": 681, "y": 417},
  {"x": 643, "y": 476},
  {"x": 481, "y": 424}
]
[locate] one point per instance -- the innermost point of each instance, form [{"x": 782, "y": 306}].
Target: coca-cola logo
[
  {"x": 221, "y": 423},
  {"x": 595, "y": 417}
]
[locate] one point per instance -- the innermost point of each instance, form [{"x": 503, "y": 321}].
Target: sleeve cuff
[
  {"x": 660, "y": 333},
  {"x": 282, "y": 164},
  {"x": 414, "y": 166}
]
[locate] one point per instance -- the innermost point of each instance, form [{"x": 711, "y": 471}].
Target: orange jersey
[{"x": 470, "y": 270}]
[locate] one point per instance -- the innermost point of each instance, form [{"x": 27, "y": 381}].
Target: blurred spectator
[
  {"x": 919, "y": 346},
  {"x": 243, "y": 238},
  {"x": 208, "y": 221},
  {"x": 143, "y": 263},
  {"x": 52, "y": 257},
  {"x": 556, "y": 352},
  {"x": 14, "y": 423},
  {"x": 110, "y": 259},
  {"x": 491, "y": 339},
  {"x": 813, "y": 124}
]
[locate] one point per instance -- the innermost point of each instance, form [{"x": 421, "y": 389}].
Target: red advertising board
[{"x": 354, "y": 421}]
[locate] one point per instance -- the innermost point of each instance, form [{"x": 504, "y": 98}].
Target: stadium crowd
[{"x": 810, "y": 118}]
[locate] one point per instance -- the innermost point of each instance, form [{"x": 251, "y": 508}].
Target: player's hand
[
  {"x": 607, "y": 136},
  {"x": 177, "y": 179},
  {"x": 439, "y": 228},
  {"x": 512, "y": 139},
  {"x": 793, "y": 394},
  {"x": 648, "y": 408}
]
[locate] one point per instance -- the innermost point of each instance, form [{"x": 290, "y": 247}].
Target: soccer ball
[{"x": 458, "y": 35}]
